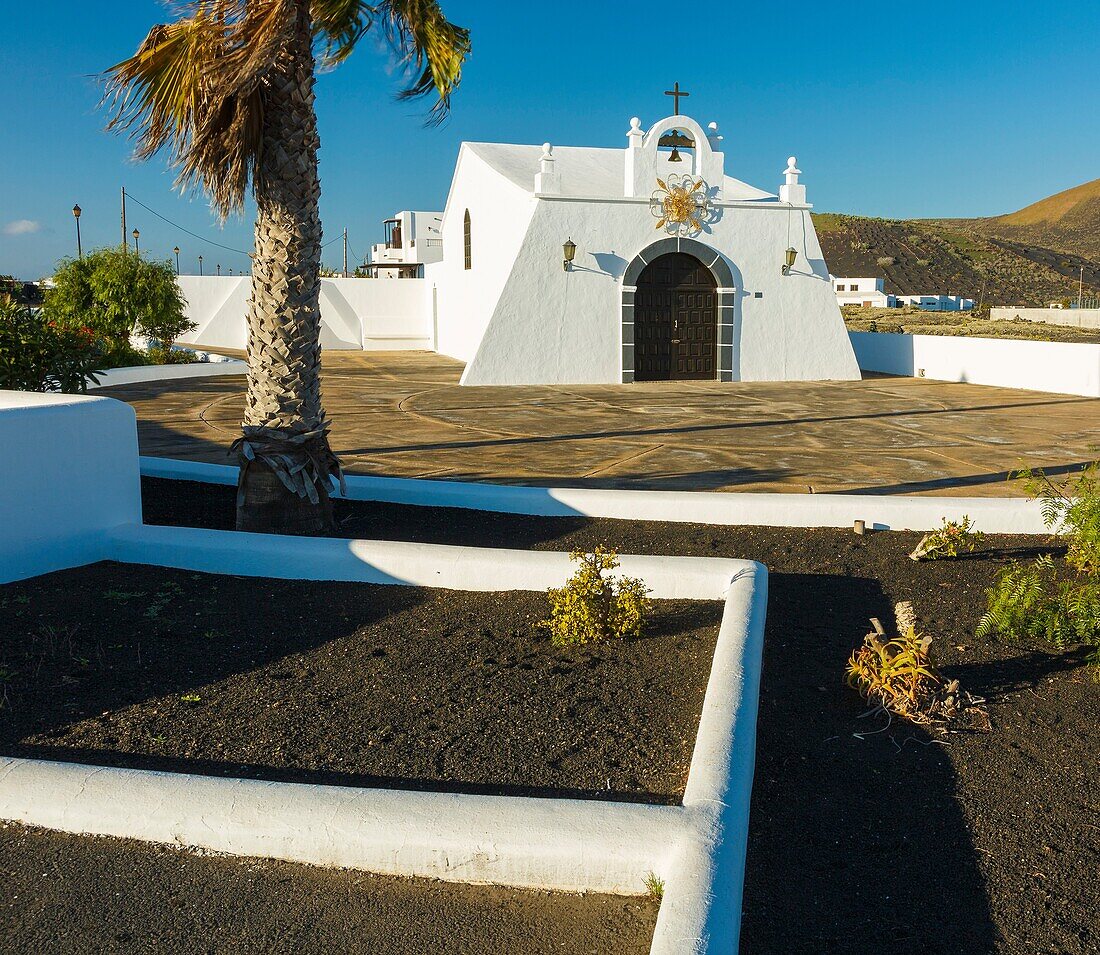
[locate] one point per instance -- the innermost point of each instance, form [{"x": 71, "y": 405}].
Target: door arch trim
[{"x": 727, "y": 296}]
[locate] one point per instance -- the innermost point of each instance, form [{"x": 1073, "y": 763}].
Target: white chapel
[{"x": 571, "y": 265}]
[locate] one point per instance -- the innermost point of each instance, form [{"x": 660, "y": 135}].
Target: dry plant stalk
[{"x": 899, "y": 677}]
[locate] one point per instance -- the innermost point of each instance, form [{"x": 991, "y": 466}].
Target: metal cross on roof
[{"x": 676, "y": 93}]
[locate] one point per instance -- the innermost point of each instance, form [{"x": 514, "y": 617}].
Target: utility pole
[
  {"x": 345, "y": 251},
  {"x": 1080, "y": 285},
  {"x": 125, "y": 237}
]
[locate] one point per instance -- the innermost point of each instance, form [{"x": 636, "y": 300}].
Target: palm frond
[
  {"x": 339, "y": 25},
  {"x": 195, "y": 86},
  {"x": 429, "y": 45}
]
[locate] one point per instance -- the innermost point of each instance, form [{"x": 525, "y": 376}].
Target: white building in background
[
  {"x": 936, "y": 303},
  {"x": 871, "y": 293},
  {"x": 866, "y": 292},
  {"x": 412, "y": 241}
]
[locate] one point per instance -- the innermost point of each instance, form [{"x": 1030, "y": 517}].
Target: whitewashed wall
[
  {"x": 355, "y": 313},
  {"x": 68, "y": 472},
  {"x": 1059, "y": 367},
  {"x": 555, "y": 327},
  {"x": 499, "y": 216}
]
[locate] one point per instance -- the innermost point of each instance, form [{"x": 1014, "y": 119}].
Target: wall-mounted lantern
[
  {"x": 569, "y": 250},
  {"x": 788, "y": 263}
]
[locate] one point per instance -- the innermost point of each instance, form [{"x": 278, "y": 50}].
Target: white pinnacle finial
[
  {"x": 546, "y": 179},
  {"x": 792, "y": 190},
  {"x": 635, "y": 122}
]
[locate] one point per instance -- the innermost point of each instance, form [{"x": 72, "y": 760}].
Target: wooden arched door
[{"x": 676, "y": 321}]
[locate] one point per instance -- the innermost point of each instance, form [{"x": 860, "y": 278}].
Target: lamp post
[
  {"x": 219, "y": 268},
  {"x": 200, "y": 265},
  {"x": 177, "y": 251},
  {"x": 137, "y": 235},
  {"x": 76, "y": 215},
  {"x": 569, "y": 251}
]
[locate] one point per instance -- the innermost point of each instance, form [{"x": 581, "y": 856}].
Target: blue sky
[{"x": 928, "y": 109}]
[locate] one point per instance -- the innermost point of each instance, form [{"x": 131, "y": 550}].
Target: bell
[{"x": 675, "y": 157}]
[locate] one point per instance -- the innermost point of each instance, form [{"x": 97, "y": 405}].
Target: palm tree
[{"x": 227, "y": 89}]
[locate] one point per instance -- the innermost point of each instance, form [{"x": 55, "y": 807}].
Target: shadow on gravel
[
  {"x": 855, "y": 845},
  {"x": 999, "y": 678}
]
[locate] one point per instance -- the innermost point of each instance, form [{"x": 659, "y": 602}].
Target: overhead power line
[{"x": 195, "y": 235}]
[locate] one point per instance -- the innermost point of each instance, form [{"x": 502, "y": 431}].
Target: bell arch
[{"x": 724, "y": 287}]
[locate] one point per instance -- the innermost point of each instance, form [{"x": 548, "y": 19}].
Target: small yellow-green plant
[
  {"x": 949, "y": 540},
  {"x": 898, "y": 675},
  {"x": 594, "y": 606},
  {"x": 655, "y": 886}
]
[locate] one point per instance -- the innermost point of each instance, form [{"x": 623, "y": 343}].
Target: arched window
[{"x": 466, "y": 241}]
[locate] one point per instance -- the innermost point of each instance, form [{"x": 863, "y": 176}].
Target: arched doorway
[{"x": 676, "y": 321}]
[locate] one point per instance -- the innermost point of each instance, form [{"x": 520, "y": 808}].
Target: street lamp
[
  {"x": 137, "y": 235},
  {"x": 76, "y": 215},
  {"x": 200, "y": 265},
  {"x": 219, "y": 268},
  {"x": 177, "y": 251}
]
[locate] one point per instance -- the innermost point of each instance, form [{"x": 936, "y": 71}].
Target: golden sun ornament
[{"x": 681, "y": 204}]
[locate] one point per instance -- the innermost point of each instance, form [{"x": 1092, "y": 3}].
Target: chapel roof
[{"x": 584, "y": 170}]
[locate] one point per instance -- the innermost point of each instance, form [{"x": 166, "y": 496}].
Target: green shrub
[
  {"x": 1037, "y": 601},
  {"x": 593, "y": 606},
  {"x": 117, "y": 294},
  {"x": 1030, "y": 602},
  {"x": 1072, "y": 508},
  {"x": 39, "y": 355}
]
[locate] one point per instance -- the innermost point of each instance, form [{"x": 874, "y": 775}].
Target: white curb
[
  {"x": 698, "y": 848},
  {"x": 992, "y": 515}
]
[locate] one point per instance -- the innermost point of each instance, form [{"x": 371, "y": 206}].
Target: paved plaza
[{"x": 404, "y": 414}]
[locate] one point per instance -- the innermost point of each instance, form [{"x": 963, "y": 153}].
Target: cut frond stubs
[{"x": 897, "y": 676}]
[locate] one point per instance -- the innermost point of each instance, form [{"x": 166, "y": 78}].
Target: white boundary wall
[
  {"x": 1059, "y": 367},
  {"x": 68, "y": 474},
  {"x": 370, "y": 314},
  {"x": 992, "y": 515},
  {"x": 1071, "y": 317}
]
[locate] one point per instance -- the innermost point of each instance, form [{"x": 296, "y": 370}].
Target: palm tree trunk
[{"x": 286, "y": 463}]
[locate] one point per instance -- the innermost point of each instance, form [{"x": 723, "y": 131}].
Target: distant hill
[
  {"x": 1066, "y": 222},
  {"x": 953, "y": 257}
]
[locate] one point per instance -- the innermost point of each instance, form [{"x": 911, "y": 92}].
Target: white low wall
[
  {"x": 139, "y": 373},
  {"x": 372, "y": 314},
  {"x": 1059, "y": 367},
  {"x": 1071, "y": 317},
  {"x": 992, "y": 515},
  {"x": 68, "y": 474}
]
